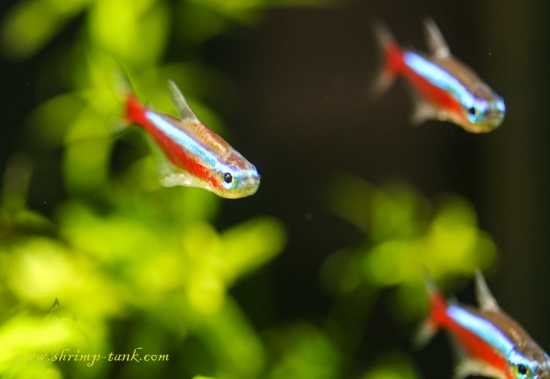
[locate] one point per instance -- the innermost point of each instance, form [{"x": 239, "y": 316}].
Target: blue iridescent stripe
[
  {"x": 482, "y": 328},
  {"x": 439, "y": 77},
  {"x": 188, "y": 143}
]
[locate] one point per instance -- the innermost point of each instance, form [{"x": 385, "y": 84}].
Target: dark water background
[{"x": 304, "y": 114}]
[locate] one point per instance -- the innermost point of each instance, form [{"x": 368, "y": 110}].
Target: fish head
[
  {"x": 236, "y": 177},
  {"x": 483, "y": 110},
  {"x": 529, "y": 361}
]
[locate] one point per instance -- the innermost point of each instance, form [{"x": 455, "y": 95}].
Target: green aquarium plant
[{"x": 128, "y": 279}]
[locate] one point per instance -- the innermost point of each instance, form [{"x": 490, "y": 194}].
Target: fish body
[
  {"x": 444, "y": 88},
  {"x": 489, "y": 342},
  {"x": 192, "y": 154}
]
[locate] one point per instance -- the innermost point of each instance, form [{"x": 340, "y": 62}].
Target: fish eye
[
  {"x": 473, "y": 111},
  {"x": 522, "y": 369},
  {"x": 227, "y": 177}
]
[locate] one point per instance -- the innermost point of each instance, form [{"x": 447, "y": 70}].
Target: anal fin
[
  {"x": 177, "y": 179},
  {"x": 423, "y": 111},
  {"x": 170, "y": 176},
  {"x": 472, "y": 367},
  {"x": 465, "y": 366}
]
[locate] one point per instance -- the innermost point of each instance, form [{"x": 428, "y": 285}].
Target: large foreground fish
[
  {"x": 444, "y": 88},
  {"x": 194, "y": 155},
  {"x": 489, "y": 342}
]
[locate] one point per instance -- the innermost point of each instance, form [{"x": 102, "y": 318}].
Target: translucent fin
[
  {"x": 460, "y": 358},
  {"x": 116, "y": 125},
  {"x": 123, "y": 91},
  {"x": 383, "y": 34},
  {"x": 169, "y": 175},
  {"x": 387, "y": 75},
  {"x": 428, "y": 328},
  {"x": 431, "y": 287},
  {"x": 121, "y": 84},
  {"x": 470, "y": 367},
  {"x": 424, "y": 111},
  {"x": 466, "y": 366},
  {"x": 485, "y": 299},
  {"x": 184, "y": 110},
  {"x": 424, "y": 334},
  {"x": 181, "y": 179},
  {"x": 435, "y": 40}
]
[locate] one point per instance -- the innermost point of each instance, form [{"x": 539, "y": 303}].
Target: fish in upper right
[
  {"x": 488, "y": 341},
  {"x": 444, "y": 88}
]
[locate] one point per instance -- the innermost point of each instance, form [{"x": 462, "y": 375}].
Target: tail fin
[
  {"x": 438, "y": 308},
  {"x": 393, "y": 58},
  {"x": 132, "y": 108}
]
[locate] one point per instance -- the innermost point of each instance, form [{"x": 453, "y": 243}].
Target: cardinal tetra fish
[
  {"x": 489, "y": 342},
  {"x": 194, "y": 155},
  {"x": 444, "y": 88}
]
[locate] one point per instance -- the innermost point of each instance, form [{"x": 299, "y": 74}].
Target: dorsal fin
[
  {"x": 436, "y": 43},
  {"x": 485, "y": 299},
  {"x": 184, "y": 110}
]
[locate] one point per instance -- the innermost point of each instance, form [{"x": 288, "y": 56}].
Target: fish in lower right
[{"x": 488, "y": 341}]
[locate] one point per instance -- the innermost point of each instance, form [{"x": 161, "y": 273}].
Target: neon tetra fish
[
  {"x": 490, "y": 343},
  {"x": 444, "y": 88},
  {"x": 195, "y": 155}
]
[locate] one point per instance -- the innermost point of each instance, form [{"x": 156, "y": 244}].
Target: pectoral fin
[
  {"x": 466, "y": 366},
  {"x": 424, "y": 111},
  {"x": 181, "y": 179},
  {"x": 171, "y": 176},
  {"x": 470, "y": 367}
]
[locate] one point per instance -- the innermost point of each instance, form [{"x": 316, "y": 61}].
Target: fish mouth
[
  {"x": 544, "y": 371},
  {"x": 249, "y": 185},
  {"x": 495, "y": 113},
  {"x": 494, "y": 118}
]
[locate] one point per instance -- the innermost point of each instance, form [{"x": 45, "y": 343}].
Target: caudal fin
[
  {"x": 393, "y": 58},
  {"x": 133, "y": 110},
  {"x": 431, "y": 324}
]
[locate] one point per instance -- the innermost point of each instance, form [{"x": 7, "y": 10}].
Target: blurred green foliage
[
  {"x": 137, "y": 265},
  {"x": 121, "y": 248},
  {"x": 405, "y": 237},
  {"x": 148, "y": 261}
]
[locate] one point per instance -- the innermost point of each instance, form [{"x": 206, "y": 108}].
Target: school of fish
[
  {"x": 489, "y": 342},
  {"x": 193, "y": 155}
]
